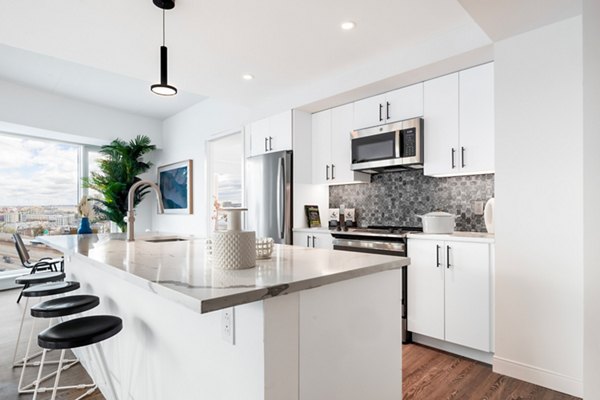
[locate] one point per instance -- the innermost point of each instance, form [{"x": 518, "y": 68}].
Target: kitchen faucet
[{"x": 130, "y": 219}]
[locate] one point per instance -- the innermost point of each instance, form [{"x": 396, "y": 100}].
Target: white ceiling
[
  {"x": 89, "y": 84},
  {"x": 107, "y": 51}
]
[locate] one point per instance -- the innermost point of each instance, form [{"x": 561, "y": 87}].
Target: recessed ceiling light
[
  {"x": 348, "y": 25},
  {"x": 247, "y": 77}
]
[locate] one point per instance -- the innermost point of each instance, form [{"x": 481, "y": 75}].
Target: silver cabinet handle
[
  {"x": 453, "y": 164},
  {"x": 380, "y": 109},
  {"x": 307, "y": 240},
  {"x": 266, "y": 142},
  {"x": 332, "y": 171},
  {"x": 270, "y": 143},
  {"x": 327, "y": 172},
  {"x": 387, "y": 110},
  {"x": 314, "y": 241},
  {"x": 462, "y": 156},
  {"x": 437, "y": 255},
  {"x": 448, "y": 257}
]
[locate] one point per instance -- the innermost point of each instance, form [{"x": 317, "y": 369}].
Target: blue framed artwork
[{"x": 175, "y": 182}]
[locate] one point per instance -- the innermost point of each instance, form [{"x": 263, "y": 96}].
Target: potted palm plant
[{"x": 120, "y": 166}]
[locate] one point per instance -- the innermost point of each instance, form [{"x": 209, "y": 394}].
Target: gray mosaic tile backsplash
[{"x": 396, "y": 198}]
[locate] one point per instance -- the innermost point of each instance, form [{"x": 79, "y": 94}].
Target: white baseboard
[
  {"x": 473, "y": 354},
  {"x": 539, "y": 376}
]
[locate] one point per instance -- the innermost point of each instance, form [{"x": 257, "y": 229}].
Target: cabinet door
[
  {"x": 321, "y": 147},
  {"x": 259, "y": 134},
  {"x": 441, "y": 126},
  {"x": 341, "y": 147},
  {"x": 425, "y": 285},
  {"x": 322, "y": 241},
  {"x": 302, "y": 239},
  {"x": 369, "y": 112},
  {"x": 477, "y": 119},
  {"x": 280, "y": 131},
  {"x": 404, "y": 103},
  {"x": 467, "y": 286}
]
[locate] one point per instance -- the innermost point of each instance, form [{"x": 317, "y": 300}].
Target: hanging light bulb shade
[{"x": 163, "y": 88}]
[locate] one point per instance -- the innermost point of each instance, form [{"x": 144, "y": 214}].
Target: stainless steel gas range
[{"x": 388, "y": 240}]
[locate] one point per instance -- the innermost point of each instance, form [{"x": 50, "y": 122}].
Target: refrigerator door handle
[{"x": 281, "y": 197}]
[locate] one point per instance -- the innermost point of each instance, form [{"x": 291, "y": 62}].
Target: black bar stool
[
  {"x": 79, "y": 332},
  {"x": 42, "y": 290},
  {"x": 55, "y": 308},
  {"x": 36, "y": 279}
]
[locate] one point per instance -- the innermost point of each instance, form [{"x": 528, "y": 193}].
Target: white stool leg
[
  {"x": 27, "y": 353},
  {"x": 60, "y": 363},
  {"x": 37, "y": 382},
  {"x": 20, "y": 329}
]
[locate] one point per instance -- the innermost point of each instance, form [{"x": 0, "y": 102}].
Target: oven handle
[{"x": 368, "y": 245}]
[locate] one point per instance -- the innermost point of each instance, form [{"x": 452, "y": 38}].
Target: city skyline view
[{"x": 35, "y": 172}]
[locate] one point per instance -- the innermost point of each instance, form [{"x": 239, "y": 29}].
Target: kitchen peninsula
[{"x": 305, "y": 324}]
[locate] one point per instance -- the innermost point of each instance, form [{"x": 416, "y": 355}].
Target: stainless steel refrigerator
[{"x": 269, "y": 195}]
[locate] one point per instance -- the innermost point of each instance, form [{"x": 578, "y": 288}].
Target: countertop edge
[{"x": 456, "y": 236}]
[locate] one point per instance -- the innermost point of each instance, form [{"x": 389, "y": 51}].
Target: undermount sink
[{"x": 162, "y": 240}]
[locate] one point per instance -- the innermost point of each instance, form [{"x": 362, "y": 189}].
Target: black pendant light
[{"x": 163, "y": 88}]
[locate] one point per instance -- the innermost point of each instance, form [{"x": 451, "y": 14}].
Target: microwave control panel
[{"x": 409, "y": 142}]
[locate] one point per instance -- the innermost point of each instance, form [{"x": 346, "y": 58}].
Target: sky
[{"x": 37, "y": 173}]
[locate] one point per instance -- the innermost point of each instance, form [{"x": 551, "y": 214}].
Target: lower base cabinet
[
  {"x": 449, "y": 291},
  {"x": 313, "y": 239}
]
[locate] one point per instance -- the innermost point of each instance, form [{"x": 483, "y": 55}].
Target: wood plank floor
[{"x": 428, "y": 374}]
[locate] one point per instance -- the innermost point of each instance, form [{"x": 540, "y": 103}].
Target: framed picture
[
  {"x": 312, "y": 215},
  {"x": 175, "y": 183}
]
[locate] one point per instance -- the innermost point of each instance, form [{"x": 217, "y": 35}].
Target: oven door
[{"x": 376, "y": 147}]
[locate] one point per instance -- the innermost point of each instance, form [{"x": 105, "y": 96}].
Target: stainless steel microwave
[{"x": 387, "y": 147}]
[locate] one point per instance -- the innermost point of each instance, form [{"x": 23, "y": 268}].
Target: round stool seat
[
  {"x": 40, "y": 277},
  {"x": 50, "y": 288},
  {"x": 63, "y": 306},
  {"x": 80, "y": 332}
]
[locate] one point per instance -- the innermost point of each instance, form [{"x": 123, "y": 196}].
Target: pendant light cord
[{"x": 163, "y": 26}]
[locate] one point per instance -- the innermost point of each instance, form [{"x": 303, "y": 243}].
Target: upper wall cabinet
[
  {"x": 332, "y": 147},
  {"x": 459, "y": 123},
  {"x": 271, "y": 134},
  {"x": 393, "y": 106}
]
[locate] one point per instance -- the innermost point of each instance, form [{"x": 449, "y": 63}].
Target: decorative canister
[{"x": 233, "y": 248}]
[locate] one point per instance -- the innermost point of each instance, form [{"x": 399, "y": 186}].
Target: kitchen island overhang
[{"x": 308, "y": 323}]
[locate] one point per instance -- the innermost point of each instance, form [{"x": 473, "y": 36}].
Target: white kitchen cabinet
[
  {"x": 332, "y": 151},
  {"x": 317, "y": 240},
  {"x": 271, "y": 134},
  {"x": 441, "y": 125},
  {"x": 459, "y": 123},
  {"x": 449, "y": 296},
  {"x": 477, "y": 119},
  {"x": 425, "y": 289},
  {"x": 321, "y": 147},
  {"x": 397, "y": 105}
]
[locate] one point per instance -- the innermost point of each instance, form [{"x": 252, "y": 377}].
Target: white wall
[
  {"x": 184, "y": 136},
  {"x": 591, "y": 196},
  {"x": 539, "y": 198},
  {"x": 34, "y": 112}
]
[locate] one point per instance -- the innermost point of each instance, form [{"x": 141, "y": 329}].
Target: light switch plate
[{"x": 477, "y": 207}]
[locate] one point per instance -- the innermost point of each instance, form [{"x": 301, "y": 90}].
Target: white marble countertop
[
  {"x": 180, "y": 271},
  {"x": 481, "y": 237}
]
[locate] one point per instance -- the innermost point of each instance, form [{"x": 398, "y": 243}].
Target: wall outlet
[
  {"x": 228, "y": 325},
  {"x": 477, "y": 207}
]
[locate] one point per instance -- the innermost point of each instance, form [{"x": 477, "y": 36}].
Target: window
[
  {"x": 40, "y": 187},
  {"x": 225, "y": 168}
]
